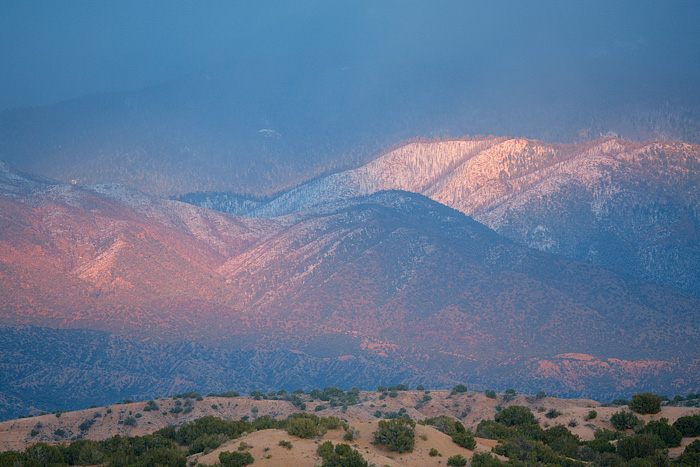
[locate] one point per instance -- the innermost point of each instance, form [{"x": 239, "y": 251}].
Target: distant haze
[{"x": 52, "y": 51}]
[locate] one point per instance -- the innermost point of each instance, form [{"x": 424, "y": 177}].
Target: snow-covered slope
[{"x": 632, "y": 207}]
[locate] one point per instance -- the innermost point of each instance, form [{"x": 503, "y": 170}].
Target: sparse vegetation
[
  {"x": 235, "y": 459},
  {"x": 521, "y": 439},
  {"x": 624, "y": 420},
  {"x": 457, "y": 460},
  {"x": 285, "y": 444},
  {"x": 342, "y": 456}
]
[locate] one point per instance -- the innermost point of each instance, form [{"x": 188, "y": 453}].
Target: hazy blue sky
[{"x": 54, "y": 50}]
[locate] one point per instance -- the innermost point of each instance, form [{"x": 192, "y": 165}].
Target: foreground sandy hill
[
  {"x": 469, "y": 407},
  {"x": 265, "y": 448}
]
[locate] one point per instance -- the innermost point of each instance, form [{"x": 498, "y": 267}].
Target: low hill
[{"x": 362, "y": 415}]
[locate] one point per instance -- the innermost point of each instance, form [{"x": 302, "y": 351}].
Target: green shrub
[
  {"x": 608, "y": 435},
  {"x": 350, "y": 434},
  {"x": 689, "y": 426},
  {"x": 285, "y": 444},
  {"x": 465, "y": 440},
  {"x": 623, "y": 420},
  {"x": 433, "y": 452},
  {"x": 490, "y": 393},
  {"x": 515, "y": 415},
  {"x": 343, "y": 449},
  {"x": 302, "y": 427},
  {"x": 457, "y": 461},
  {"x": 690, "y": 456},
  {"x": 207, "y": 442},
  {"x": 667, "y": 433},
  {"x": 540, "y": 395},
  {"x": 85, "y": 452},
  {"x": 398, "y": 387},
  {"x": 209, "y": 425},
  {"x": 592, "y": 414},
  {"x": 600, "y": 445},
  {"x": 642, "y": 446},
  {"x": 459, "y": 389},
  {"x": 552, "y": 413},
  {"x": 332, "y": 391},
  {"x": 344, "y": 456},
  {"x": 485, "y": 460},
  {"x": 489, "y": 429},
  {"x": 325, "y": 449},
  {"x": 130, "y": 421},
  {"x": 645, "y": 403},
  {"x": 235, "y": 459},
  {"x": 397, "y": 435}
]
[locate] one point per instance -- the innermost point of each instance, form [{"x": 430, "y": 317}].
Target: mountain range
[
  {"x": 364, "y": 270},
  {"x": 631, "y": 207}
]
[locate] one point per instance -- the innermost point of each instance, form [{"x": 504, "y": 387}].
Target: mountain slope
[
  {"x": 393, "y": 274},
  {"x": 630, "y": 207}
]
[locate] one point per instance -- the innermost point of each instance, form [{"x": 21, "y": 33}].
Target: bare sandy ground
[{"x": 266, "y": 450}]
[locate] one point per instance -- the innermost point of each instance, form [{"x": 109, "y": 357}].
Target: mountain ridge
[
  {"x": 392, "y": 275},
  {"x": 631, "y": 207}
]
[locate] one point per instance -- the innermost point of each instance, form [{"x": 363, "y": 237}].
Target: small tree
[
  {"x": 645, "y": 403},
  {"x": 668, "y": 434},
  {"x": 515, "y": 415},
  {"x": 464, "y": 439},
  {"x": 638, "y": 446},
  {"x": 623, "y": 420},
  {"x": 397, "y": 434},
  {"x": 689, "y": 426},
  {"x": 690, "y": 456},
  {"x": 457, "y": 461},
  {"x": 302, "y": 427}
]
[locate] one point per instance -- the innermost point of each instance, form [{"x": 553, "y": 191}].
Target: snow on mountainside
[{"x": 631, "y": 207}]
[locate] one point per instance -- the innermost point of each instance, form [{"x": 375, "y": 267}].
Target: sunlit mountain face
[
  {"x": 277, "y": 196},
  {"x": 391, "y": 276}
]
